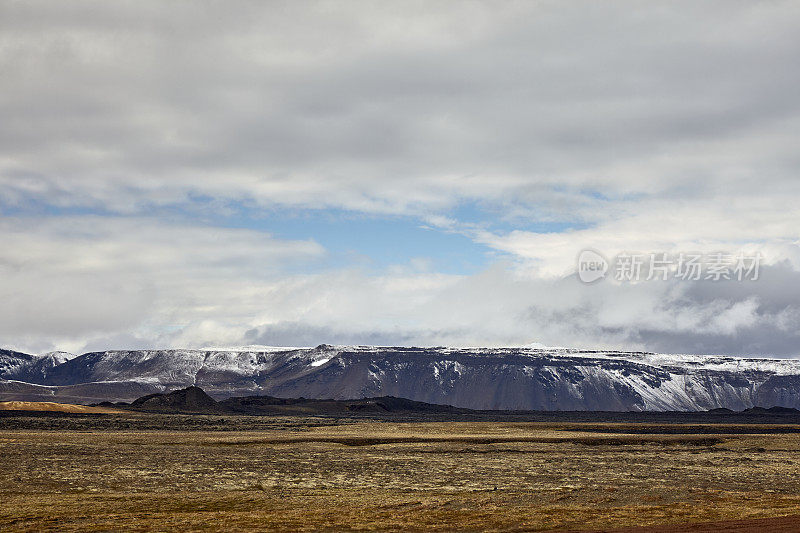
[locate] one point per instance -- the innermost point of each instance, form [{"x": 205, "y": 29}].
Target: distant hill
[
  {"x": 85, "y": 393},
  {"x": 193, "y": 400},
  {"x": 263, "y": 405},
  {"x": 189, "y": 400},
  {"x": 776, "y": 410}
]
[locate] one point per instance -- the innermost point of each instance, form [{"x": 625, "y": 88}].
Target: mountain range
[{"x": 474, "y": 378}]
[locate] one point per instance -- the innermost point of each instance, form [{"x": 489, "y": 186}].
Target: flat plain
[{"x": 138, "y": 471}]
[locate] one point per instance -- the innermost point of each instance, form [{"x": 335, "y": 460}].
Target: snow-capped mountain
[
  {"x": 478, "y": 378},
  {"x": 26, "y": 366}
]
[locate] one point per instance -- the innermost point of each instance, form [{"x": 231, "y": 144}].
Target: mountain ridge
[{"x": 474, "y": 378}]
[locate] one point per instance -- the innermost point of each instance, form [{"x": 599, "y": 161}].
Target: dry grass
[
  {"x": 391, "y": 476},
  {"x": 55, "y": 407}
]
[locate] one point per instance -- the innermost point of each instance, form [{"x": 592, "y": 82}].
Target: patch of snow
[
  {"x": 255, "y": 348},
  {"x": 60, "y": 357}
]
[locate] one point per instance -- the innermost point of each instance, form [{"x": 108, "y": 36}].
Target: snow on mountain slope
[
  {"x": 11, "y": 361},
  {"x": 59, "y": 357},
  {"x": 26, "y": 365},
  {"x": 478, "y": 378}
]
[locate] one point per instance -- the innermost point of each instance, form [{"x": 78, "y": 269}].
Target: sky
[{"x": 195, "y": 174}]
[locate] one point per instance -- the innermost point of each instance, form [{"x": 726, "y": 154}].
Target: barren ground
[{"x": 308, "y": 474}]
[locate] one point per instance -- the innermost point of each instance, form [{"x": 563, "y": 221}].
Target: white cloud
[
  {"x": 386, "y": 109},
  {"x": 659, "y": 226},
  {"x": 653, "y": 128},
  {"x": 98, "y": 282},
  {"x": 71, "y": 278}
]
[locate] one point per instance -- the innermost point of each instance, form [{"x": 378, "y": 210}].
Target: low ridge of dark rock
[
  {"x": 775, "y": 410},
  {"x": 385, "y": 404},
  {"x": 110, "y": 404},
  {"x": 193, "y": 400}
]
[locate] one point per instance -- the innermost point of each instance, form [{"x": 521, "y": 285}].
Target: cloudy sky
[{"x": 419, "y": 173}]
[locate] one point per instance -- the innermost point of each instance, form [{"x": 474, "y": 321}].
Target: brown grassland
[
  {"x": 244, "y": 473},
  {"x": 55, "y": 407}
]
